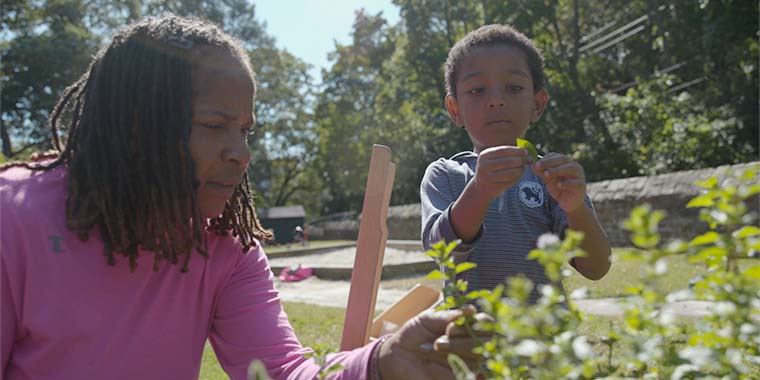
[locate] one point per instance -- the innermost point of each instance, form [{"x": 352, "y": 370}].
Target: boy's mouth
[{"x": 498, "y": 122}]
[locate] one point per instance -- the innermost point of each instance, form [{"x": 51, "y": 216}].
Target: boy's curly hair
[
  {"x": 128, "y": 119},
  {"x": 492, "y": 35}
]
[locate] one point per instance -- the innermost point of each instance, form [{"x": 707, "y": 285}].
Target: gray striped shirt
[{"x": 510, "y": 230}]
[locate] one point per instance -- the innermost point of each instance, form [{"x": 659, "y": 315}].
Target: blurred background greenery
[{"x": 637, "y": 87}]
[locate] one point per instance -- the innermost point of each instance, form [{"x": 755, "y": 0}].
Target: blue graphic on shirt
[{"x": 531, "y": 194}]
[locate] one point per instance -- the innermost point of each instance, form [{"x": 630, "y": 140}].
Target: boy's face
[
  {"x": 223, "y": 94},
  {"x": 495, "y": 101}
]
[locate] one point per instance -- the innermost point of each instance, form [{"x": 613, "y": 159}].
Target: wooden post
[{"x": 370, "y": 248}]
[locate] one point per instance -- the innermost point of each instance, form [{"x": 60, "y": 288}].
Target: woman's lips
[{"x": 224, "y": 188}]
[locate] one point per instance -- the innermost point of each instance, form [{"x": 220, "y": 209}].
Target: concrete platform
[
  {"x": 335, "y": 293},
  {"x": 337, "y": 264}
]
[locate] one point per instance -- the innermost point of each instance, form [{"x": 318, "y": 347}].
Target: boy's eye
[
  {"x": 476, "y": 90},
  {"x": 515, "y": 88}
]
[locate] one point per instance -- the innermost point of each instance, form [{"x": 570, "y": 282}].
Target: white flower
[
  {"x": 547, "y": 240},
  {"x": 564, "y": 338},
  {"x": 547, "y": 291},
  {"x": 650, "y": 349},
  {"x": 681, "y": 295},
  {"x": 683, "y": 369},
  {"x": 660, "y": 267},
  {"x": 724, "y": 308},
  {"x": 698, "y": 356},
  {"x": 581, "y": 348},
  {"x": 579, "y": 294},
  {"x": 667, "y": 318},
  {"x": 530, "y": 347},
  {"x": 748, "y": 328}
]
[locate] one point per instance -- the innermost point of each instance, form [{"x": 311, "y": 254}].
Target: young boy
[{"x": 493, "y": 198}]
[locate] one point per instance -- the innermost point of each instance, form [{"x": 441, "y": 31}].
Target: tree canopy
[{"x": 636, "y": 87}]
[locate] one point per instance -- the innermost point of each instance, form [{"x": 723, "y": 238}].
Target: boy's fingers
[
  {"x": 551, "y": 160},
  {"x": 571, "y": 184},
  {"x": 505, "y": 175},
  {"x": 505, "y": 162},
  {"x": 571, "y": 170}
]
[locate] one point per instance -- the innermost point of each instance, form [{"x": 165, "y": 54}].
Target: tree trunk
[{"x": 7, "y": 147}]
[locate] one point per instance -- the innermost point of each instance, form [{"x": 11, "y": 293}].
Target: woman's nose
[{"x": 237, "y": 152}]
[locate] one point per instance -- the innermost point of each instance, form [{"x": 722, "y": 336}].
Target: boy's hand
[
  {"x": 564, "y": 179},
  {"x": 499, "y": 168}
]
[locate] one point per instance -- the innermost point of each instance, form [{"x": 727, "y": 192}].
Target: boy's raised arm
[{"x": 565, "y": 181}]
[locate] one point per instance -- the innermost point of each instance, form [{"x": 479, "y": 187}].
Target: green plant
[
  {"x": 540, "y": 341},
  {"x": 320, "y": 357}
]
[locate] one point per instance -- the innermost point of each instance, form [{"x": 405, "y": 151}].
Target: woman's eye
[{"x": 213, "y": 126}]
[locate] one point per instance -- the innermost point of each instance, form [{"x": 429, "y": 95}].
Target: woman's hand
[{"x": 419, "y": 350}]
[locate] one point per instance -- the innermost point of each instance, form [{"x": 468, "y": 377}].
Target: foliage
[
  {"x": 636, "y": 87},
  {"x": 395, "y": 96},
  {"x": 541, "y": 341},
  {"x": 46, "y": 45},
  {"x": 662, "y": 132}
]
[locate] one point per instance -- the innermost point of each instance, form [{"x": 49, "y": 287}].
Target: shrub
[{"x": 541, "y": 341}]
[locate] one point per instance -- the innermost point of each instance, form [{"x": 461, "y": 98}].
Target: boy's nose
[{"x": 496, "y": 102}]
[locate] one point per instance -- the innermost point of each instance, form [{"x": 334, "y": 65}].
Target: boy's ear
[
  {"x": 539, "y": 104},
  {"x": 453, "y": 108}
]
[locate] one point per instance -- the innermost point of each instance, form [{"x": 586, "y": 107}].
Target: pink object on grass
[{"x": 298, "y": 273}]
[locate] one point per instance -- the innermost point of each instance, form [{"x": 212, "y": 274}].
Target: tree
[
  {"x": 346, "y": 113},
  {"x": 48, "y": 44}
]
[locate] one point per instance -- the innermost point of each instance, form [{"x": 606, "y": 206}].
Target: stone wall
[{"x": 613, "y": 200}]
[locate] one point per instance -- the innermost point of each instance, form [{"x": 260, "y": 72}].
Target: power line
[{"x": 613, "y": 33}]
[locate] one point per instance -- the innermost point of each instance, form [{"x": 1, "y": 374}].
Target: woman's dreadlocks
[{"x": 130, "y": 170}]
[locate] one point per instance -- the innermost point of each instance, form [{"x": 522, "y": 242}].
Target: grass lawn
[
  {"x": 323, "y": 325},
  {"x": 622, "y": 274},
  {"x": 314, "y": 325}
]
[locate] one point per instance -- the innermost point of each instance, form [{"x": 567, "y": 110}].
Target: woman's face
[{"x": 223, "y": 93}]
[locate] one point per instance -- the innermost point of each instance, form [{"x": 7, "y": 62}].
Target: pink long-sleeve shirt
[{"x": 67, "y": 314}]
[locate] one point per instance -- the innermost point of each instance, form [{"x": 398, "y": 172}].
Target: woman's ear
[
  {"x": 539, "y": 104},
  {"x": 453, "y": 108}
]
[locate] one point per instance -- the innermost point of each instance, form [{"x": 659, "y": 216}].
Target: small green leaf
[
  {"x": 435, "y": 275},
  {"x": 752, "y": 272},
  {"x": 708, "y": 183},
  {"x": 525, "y": 144},
  {"x": 705, "y": 200},
  {"x": 746, "y": 231},
  {"x": 459, "y": 368},
  {"x": 257, "y": 371},
  {"x": 463, "y": 267},
  {"x": 706, "y": 238}
]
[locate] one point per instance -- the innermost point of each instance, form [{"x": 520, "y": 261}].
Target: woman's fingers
[{"x": 462, "y": 347}]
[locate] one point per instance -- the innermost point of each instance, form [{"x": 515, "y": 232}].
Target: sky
[{"x": 308, "y": 29}]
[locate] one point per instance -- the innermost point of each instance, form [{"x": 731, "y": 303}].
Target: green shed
[{"x": 282, "y": 221}]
